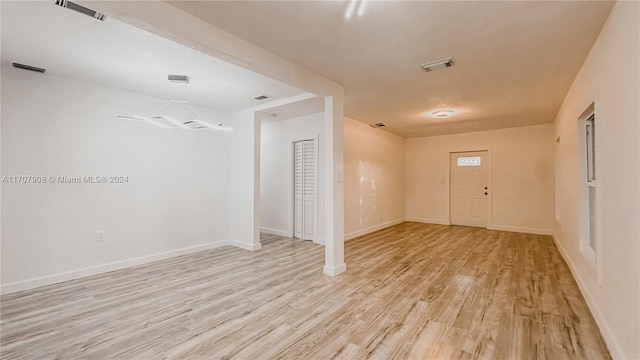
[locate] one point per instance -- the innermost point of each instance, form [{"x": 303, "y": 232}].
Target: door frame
[
  {"x": 316, "y": 197},
  {"x": 489, "y": 164}
]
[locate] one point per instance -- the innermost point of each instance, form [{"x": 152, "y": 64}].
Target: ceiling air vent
[
  {"x": 261, "y": 97},
  {"x": 179, "y": 79},
  {"x": 81, "y": 9},
  {"x": 29, "y": 67},
  {"x": 437, "y": 65},
  {"x": 378, "y": 125}
]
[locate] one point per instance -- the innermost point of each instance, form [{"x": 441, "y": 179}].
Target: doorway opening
[
  {"x": 292, "y": 162},
  {"x": 469, "y": 188}
]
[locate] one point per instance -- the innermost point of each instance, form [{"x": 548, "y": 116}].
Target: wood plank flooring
[{"x": 412, "y": 291}]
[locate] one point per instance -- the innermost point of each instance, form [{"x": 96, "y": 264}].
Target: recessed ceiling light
[{"x": 444, "y": 113}]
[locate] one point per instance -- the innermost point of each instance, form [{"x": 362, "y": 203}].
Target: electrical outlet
[
  {"x": 381, "y": 219},
  {"x": 100, "y": 236}
]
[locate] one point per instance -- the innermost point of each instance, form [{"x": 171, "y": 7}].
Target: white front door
[
  {"x": 304, "y": 207},
  {"x": 469, "y": 189}
]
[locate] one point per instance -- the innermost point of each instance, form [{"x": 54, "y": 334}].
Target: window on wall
[
  {"x": 559, "y": 175},
  {"x": 590, "y": 156},
  {"x": 587, "y": 189},
  {"x": 470, "y": 161},
  {"x": 590, "y": 148}
]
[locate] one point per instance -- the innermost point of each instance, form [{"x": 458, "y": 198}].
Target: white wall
[
  {"x": 521, "y": 180},
  {"x": 374, "y": 178},
  {"x": 176, "y": 200},
  {"x": 610, "y": 77},
  {"x": 276, "y": 171},
  {"x": 161, "y": 18}
]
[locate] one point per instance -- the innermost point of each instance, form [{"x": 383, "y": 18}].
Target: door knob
[
  {"x": 485, "y": 188},
  {"x": 486, "y": 193}
]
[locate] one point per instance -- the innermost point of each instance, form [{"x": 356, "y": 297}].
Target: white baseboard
[
  {"x": 429, "y": 221},
  {"x": 355, "y": 234},
  {"x": 613, "y": 345},
  {"x": 271, "y": 231},
  {"x": 286, "y": 234},
  {"x": 245, "y": 246},
  {"x": 334, "y": 270},
  {"x": 520, "y": 229},
  {"x": 490, "y": 227},
  {"x": 99, "y": 269}
]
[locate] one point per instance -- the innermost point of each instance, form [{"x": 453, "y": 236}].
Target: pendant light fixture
[{"x": 177, "y": 113}]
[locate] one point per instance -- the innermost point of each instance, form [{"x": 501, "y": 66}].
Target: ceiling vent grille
[
  {"x": 184, "y": 79},
  {"x": 378, "y": 125},
  {"x": 29, "y": 67},
  {"x": 261, "y": 97},
  {"x": 437, "y": 65},
  {"x": 81, "y": 9}
]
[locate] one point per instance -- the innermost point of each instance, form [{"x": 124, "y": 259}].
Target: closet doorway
[{"x": 305, "y": 180}]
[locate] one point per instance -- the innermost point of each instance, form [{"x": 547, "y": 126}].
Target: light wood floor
[{"x": 413, "y": 291}]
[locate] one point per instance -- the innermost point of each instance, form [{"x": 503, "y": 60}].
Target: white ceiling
[
  {"x": 309, "y": 106},
  {"x": 514, "y": 60},
  {"x": 116, "y": 54}
]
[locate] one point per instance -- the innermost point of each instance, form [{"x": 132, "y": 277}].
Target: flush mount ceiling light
[
  {"x": 352, "y": 8},
  {"x": 443, "y": 113},
  {"x": 177, "y": 113}
]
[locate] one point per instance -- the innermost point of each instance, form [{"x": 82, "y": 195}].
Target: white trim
[
  {"x": 355, "y": 234},
  {"x": 609, "y": 338},
  {"x": 319, "y": 240},
  {"x": 271, "y": 231},
  {"x": 316, "y": 193},
  {"x": 245, "y": 246},
  {"x": 292, "y": 175},
  {"x": 334, "y": 270},
  {"x": 519, "y": 229},
  {"x": 99, "y": 269},
  {"x": 428, "y": 221}
]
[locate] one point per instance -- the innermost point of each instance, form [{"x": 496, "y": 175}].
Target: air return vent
[
  {"x": 261, "y": 97},
  {"x": 81, "y": 9},
  {"x": 378, "y": 125},
  {"x": 179, "y": 79},
  {"x": 437, "y": 65},
  {"x": 29, "y": 67}
]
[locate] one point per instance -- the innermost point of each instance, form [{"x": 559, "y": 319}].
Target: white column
[
  {"x": 334, "y": 189},
  {"x": 245, "y": 181}
]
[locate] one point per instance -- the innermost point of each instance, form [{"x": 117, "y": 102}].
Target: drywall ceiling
[
  {"x": 309, "y": 106},
  {"x": 514, "y": 60},
  {"x": 119, "y": 55}
]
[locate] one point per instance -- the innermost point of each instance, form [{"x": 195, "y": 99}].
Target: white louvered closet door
[{"x": 304, "y": 189}]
